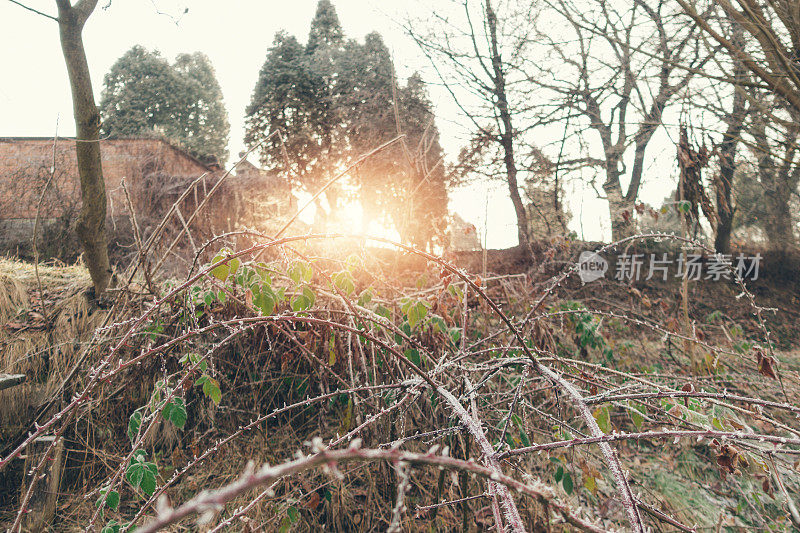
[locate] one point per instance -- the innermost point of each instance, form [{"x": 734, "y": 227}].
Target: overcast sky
[{"x": 34, "y": 90}]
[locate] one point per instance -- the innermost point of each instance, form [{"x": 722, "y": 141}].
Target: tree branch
[{"x": 45, "y": 15}]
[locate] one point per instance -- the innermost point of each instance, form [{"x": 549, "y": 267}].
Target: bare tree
[
  {"x": 766, "y": 43},
  {"x": 772, "y": 50},
  {"x": 91, "y": 223},
  {"x": 778, "y": 174},
  {"x": 731, "y": 104},
  {"x": 479, "y": 59},
  {"x": 611, "y": 69}
]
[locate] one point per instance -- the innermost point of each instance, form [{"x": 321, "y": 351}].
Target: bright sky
[{"x": 236, "y": 36}]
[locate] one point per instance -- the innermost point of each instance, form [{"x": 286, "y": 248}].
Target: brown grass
[{"x": 43, "y": 354}]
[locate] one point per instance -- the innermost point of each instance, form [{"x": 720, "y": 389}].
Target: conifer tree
[
  {"x": 334, "y": 100},
  {"x": 143, "y": 94}
]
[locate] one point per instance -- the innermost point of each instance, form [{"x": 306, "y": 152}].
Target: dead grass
[{"x": 44, "y": 354}]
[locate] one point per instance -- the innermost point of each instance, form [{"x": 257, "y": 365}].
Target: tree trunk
[
  {"x": 91, "y": 224},
  {"x": 621, "y": 212},
  {"x": 723, "y": 184},
  {"x": 778, "y": 184},
  {"x": 779, "y": 226},
  {"x": 506, "y": 129}
]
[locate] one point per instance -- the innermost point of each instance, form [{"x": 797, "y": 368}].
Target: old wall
[
  {"x": 26, "y": 166},
  {"x": 31, "y": 166}
]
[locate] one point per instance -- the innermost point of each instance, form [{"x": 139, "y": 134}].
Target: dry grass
[{"x": 44, "y": 354}]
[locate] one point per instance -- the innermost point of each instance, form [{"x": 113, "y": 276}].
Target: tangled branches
[{"x": 384, "y": 371}]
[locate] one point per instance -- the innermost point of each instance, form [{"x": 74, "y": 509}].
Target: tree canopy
[
  {"x": 143, "y": 94},
  {"x": 335, "y": 99}
]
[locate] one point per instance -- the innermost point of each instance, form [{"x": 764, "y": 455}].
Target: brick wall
[{"x": 25, "y": 166}]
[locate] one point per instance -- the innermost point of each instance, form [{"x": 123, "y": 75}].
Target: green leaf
[
  {"x": 294, "y": 514},
  {"x": 264, "y": 298},
  {"x": 637, "y": 419},
  {"x": 417, "y": 312},
  {"x": 304, "y": 300},
  {"x": 439, "y": 324},
  {"x": 456, "y": 292},
  {"x": 111, "y": 527},
  {"x": 112, "y": 500},
  {"x": 344, "y": 281},
  {"x": 134, "y": 423},
  {"x": 559, "y": 474},
  {"x": 286, "y": 525},
  {"x": 211, "y": 389},
  {"x": 141, "y": 474},
  {"x": 384, "y": 312},
  {"x": 413, "y": 356},
  {"x": 223, "y": 270},
  {"x": 175, "y": 412},
  {"x": 567, "y": 483},
  {"x": 300, "y": 271},
  {"x": 332, "y": 351},
  {"x": 523, "y": 438},
  {"x": 603, "y": 418},
  {"x": 365, "y": 297}
]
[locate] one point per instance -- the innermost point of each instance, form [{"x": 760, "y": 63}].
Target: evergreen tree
[
  {"x": 143, "y": 94},
  {"x": 335, "y": 100},
  {"x": 324, "y": 52},
  {"x": 201, "y": 114},
  {"x": 427, "y": 211},
  {"x": 284, "y": 99},
  {"x": 366, "y": 81},
  {"x": 133, "y": 100},
  {"x": 326, "y": 31}
]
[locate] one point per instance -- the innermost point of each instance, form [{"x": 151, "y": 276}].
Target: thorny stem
[{"x": 213, "y": 500}]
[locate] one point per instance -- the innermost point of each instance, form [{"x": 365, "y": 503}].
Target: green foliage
[
  {"x": 365, "y": 297},
  {"x": 603, "y": 418},
  {"x": 211, "y": 388},
  {"x": 335, "y": 100},
  {"x": 564, "y": 477},
  {"x": 175, "y": 412},
  {"x": 300, "y": 271},
  {"x": 111, "y": 527},
  {"x": 415, "y": 311},
  {"x": 637, "y": 412},
  {"x": 304, "y": 300},
  {"x": 587, "y": 328},
  {"x": 343, "y": 280},
  {"x": 225, "y": 269},
  {"x": 141, "y": 473},
  {"x": 108, "y": 497},
  {"x": 144, "y": 95},
  {"x": 134, "y": 423}
]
